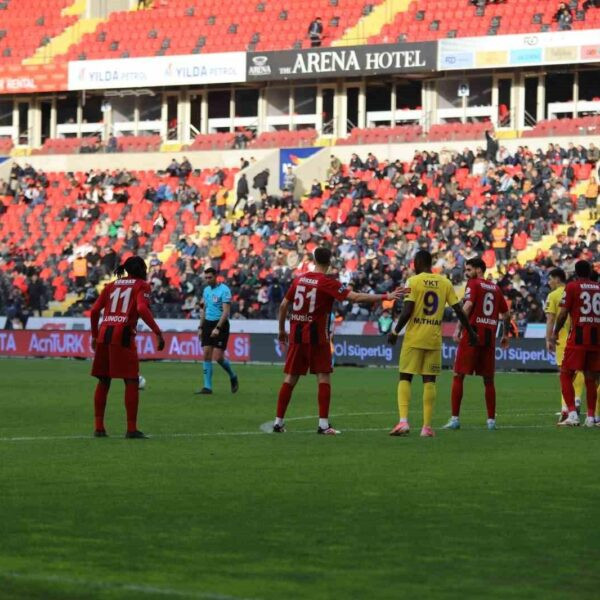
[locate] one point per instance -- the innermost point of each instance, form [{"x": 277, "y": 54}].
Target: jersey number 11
[{"x": 122, "y": 294}]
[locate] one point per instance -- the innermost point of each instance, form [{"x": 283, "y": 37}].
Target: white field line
[
  {"x": 117, "y": 587},
  {"x": 266, "y": 427}
]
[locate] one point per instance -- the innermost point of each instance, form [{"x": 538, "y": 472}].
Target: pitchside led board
[{"x": 342, "y": 60}]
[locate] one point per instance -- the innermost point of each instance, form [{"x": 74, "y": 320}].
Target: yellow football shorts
[{"x": 417, "y": 361}]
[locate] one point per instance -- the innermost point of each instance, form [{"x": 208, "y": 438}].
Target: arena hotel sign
[{"x": 343, "y": 60}]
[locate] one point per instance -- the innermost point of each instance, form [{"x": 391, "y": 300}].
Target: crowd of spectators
[{"x": 375, "y": 214}]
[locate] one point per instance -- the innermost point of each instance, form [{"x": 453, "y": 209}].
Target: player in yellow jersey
[
  {"x": 557, "y": 280},
  {"x": 421, "y": 352}
]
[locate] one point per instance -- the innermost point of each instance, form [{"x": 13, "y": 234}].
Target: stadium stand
[
  {"x": 436, "y": 19},
  {"x": 278, "y": 139},
  {"x": 170, "y": 27},
  {"x": 188, "y": 27},
  {"x": 91, "y": 144},
  {"x": 375, "y": 214},
  {"x": 589, "y": 125},
  {"x": 26, "y": 25}
]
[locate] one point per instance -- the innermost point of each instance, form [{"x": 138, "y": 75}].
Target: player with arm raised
[
  {"x": 214, "y": 330},
  {"x": 557, "y": 280},
  {"x": 115, "y": 354},
  {"x": 311, "y": 296},
  {"x": 484, "y": 304},
  {"x": 421, "y": 349},
  {"x": 580, "y": 302}
]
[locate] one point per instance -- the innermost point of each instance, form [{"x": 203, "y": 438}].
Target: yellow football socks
[
  {"x": 403, "y": 399},
  {"x": 429, "y": 393}
]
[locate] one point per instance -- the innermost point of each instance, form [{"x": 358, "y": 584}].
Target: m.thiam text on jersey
[{"x": 426, "y": 321}]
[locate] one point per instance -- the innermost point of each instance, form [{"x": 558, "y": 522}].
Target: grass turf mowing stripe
[{"x": 118, "y": 587}]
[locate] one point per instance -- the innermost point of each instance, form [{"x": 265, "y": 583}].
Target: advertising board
[
  {"x": 342, "y": 61},
  {"x": 154, "y": 71}
]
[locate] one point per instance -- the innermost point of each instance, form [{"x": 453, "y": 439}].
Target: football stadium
[{"x": 299, "y": 299}]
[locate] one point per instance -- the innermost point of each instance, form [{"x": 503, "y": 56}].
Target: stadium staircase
[
  {"x": 371, "y": 24},
  {"x": 581, "y": 219},
  {"x": 26, "y": 25},
  {"x": 60, "y": 44}
]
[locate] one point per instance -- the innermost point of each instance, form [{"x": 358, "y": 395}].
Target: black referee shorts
[{"x": 220, "y": 341}]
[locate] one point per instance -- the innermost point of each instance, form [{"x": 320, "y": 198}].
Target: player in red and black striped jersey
[
  {"x": 484, "y": 304},
  {"x": 311, "y": 297},
  {"x": 580, "y": 302},
  {"x": 123, "y": 302}
]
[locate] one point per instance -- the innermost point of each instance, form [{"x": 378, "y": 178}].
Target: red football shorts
[
  {"x": 302, "y": 357},
  {"x": 475, "y": 360},
  {"x": 580, "y": 359},
  {"x": 116, "y": 362}
]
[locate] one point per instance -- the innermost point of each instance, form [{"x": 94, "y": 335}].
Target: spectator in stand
[
  {"x": 189, "y": 248},
  {"x": 112, "y": 144},
  {"x": 385, "y": 322},
  {"x": 355, "y": 163},
  {"x": 240, "y": 141},
  {"x": 289, "y": 181},
  {"x": 36, "y": 295},
  {"x": 335, "y": 166},
  {"x": 590, "y": 4},
  {"x": 563, "y": 16},
  {"x": 315, "y": 33},
  {"x": 261, "y": 181},
  {"x": 80, "y": 272},
  {"x": 159, "y": 223},
  {"x": 15, "y": 315},
  {"x": 242, "y": 191},
  {"x": 491, "y": 151},
  {"x": 185, "y": 168},
  {"x": 109, "y": 262},
  {"x": 591, "y": 197},
  {"x": 371, "y": 164},
  {"x": 316, "y": 190},
  {"x": 173, "y": 168},
  {"x": 164, "y": 193}
]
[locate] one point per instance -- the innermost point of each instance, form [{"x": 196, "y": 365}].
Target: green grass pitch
[{"x": 212, "y": 508}]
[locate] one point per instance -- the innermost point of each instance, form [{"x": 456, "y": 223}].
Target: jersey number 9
[{"x": 430, "y": 303}]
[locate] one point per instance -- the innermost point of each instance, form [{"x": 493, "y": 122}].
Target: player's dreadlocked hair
[{"x": 135, "y": 267}]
